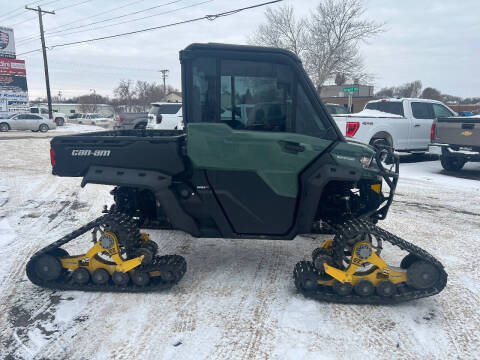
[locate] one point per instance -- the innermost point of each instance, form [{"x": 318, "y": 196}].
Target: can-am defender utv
[{"x": 260, "y": 157}]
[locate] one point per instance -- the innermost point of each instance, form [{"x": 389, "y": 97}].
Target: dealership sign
[
  {"x": 12, "y": 66},
  {"x": 7, "y": 43}
]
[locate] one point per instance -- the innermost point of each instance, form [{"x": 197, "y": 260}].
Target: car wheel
[
  {"x": 93, "y": 122},
  {"x": 60, "y": 121},
  {"x": 452, "y": 163},
  {"x": 4, "y": 127},
  {"x": 140, "y": 126},
  {"x": 43, "y": 128}
]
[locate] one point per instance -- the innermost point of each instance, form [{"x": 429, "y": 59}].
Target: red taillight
[
  {"x": 159, "y": 119},
  {"x": 352, "y": 128},
  {"x": 120, "y": 119},
  {"x": 432, "y": 132},
  {"x": 52, "y": 157}
]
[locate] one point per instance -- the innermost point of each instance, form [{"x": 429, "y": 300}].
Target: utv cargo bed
[{"x": 157, "y": 150}]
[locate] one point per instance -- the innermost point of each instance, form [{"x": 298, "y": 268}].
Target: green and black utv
[{"x": 261, "y": 158}]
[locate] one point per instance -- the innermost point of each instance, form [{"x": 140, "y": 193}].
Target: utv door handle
[
  {"x": 417, "y": 125},
  {"x": 292, "y": 147}
]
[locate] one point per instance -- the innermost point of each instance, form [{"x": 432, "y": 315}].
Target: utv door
[{"x": 253, "y": 130}]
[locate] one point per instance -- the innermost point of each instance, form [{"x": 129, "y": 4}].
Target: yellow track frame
[
  {"x": 380, "y": 271},
  {"x": 92, "y": 261}
]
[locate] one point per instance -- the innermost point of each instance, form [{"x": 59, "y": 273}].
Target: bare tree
[
  {"x": 125, "y": 92},
  {"x": 410, "y": 90},
  {"x": 327, "y": 42},
  {"x": 282, "y": 30},
  {"x": 432, "y": 93}
]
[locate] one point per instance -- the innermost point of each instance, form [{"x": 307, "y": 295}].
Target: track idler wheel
[
  {"x": 364, "y": 288},
  {"x": 140, "y": 278},
  {"x": 386, "y": 288},
  {"x": 81, "y": 276},
  {"x": 305, "y": 276},
  {"x": 100, "y": 277},
  {"x": 408, "y": 260},
  {"x": 48, "y": 268},
  {"x": 342, "y": 289},
  {"x": 422, "y": 275},
  {"x": 120, "y": 278}
]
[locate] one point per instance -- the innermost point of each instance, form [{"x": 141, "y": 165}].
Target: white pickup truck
[
  {"x": 405, "y": 124},
  {"x": 58, "y": 118}
]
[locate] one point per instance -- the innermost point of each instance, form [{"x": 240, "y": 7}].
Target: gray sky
[{"x": 437, "y": 42}]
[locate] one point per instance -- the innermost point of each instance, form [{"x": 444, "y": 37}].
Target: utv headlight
[{"x": 366, "y": 161}]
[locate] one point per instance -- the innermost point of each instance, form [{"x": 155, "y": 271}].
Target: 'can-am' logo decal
[
  {"x": 4, "y": 39},
  {"x": 90, "y": 152}
]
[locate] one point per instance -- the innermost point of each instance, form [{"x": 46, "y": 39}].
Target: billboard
[
  {"x": 13, "y": 82},
  {"x": 7, "y": 43},
  {"x": 12, "y": 66}
]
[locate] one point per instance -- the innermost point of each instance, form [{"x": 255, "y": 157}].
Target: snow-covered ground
[{"x": 237, "y": 299}]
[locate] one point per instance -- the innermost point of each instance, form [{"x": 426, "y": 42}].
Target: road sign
[{"x": 350, "y": 89}]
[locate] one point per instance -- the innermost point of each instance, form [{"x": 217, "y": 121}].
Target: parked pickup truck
[
  {"x": 456, "y": 140},
  {"x": 131, "y": 120},
  {"x": 405, "y": 124}
]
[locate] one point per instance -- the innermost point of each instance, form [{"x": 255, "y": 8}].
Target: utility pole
[
  {"x": 164, "y": 76},
  {"x": 45, "y": 62}
]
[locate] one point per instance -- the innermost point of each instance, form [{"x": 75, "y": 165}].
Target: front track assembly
[
  {"x": 349, "y": 269},
  {"x": 121, "y": 260}
]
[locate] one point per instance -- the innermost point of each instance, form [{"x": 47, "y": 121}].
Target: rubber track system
[
  {"x": 405, "y": 293},
  {"x": 175, "y": 264}
]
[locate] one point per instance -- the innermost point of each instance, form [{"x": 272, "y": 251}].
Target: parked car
[
  {"x": 404, "y": 124},
  {"x": 131, "y": 120},
  {"x": 95, "y": 119},
  {"x": 27, "y": 122},
  {"x": 456, "y": 140},
  {"x": 334, "y": 109},
  {"x": 165, "y": 116},
  {"x": 58, "y": 117},
  {"x": 75, "y": 116}
]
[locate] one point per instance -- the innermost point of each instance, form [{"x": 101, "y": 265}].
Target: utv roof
[{"x": 242, "y": 48}]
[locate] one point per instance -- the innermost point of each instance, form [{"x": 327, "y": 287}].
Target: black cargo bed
[{"x": 158, "y": 150}]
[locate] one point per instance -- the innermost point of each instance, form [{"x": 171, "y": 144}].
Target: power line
[
  {"x": 73, "y": 5},
  {"x": 35, "y": 37},
  {"x": 206, "y": 17},
  {"x": 29, "y": 19},
  {"x": 21, "y": 9},
  {"x": 117, "y": 17},
  {"x": 137, "y": 19}
]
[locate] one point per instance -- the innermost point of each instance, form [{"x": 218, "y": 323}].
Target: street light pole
[{"x": 94, "y": 100}]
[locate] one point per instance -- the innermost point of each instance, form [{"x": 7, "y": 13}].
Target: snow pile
[
  {"x": 78, "y": 128},
  {"x": 376, "y": 113}
]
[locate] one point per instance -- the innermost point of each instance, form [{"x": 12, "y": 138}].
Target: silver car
[{"x": 26, "y": 122}]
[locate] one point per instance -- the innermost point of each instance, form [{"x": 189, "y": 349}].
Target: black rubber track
[
  {"x": 174, "y": 263},
  {"x": 405, "y": 293}
]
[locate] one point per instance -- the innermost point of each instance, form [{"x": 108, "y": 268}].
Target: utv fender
[
  {"x": 313, "y": 180},
  {"x": 155, "y": 181}
]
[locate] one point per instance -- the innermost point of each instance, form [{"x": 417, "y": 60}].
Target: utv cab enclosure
[{"x": 260, "y": 157}]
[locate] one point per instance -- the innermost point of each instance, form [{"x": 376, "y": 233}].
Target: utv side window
[
  {"x": 307, "y": 121},
  {"x": 255, "y": 95},
  {"x": 204, "y": 90}
]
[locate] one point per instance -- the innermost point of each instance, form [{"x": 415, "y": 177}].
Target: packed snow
[{"x": 237, "y": 299}]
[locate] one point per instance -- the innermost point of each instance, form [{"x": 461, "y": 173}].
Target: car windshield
[
  {"x": 391, "y": 107},
  {"x": 11, "y": 116},
  {"x": 165, "y": 109}
]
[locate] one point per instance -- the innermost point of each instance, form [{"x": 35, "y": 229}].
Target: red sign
[{"x": 12, "y": 66}]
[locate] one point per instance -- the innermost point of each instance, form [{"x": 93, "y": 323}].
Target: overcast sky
[{"x": 437, "y": 42}]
